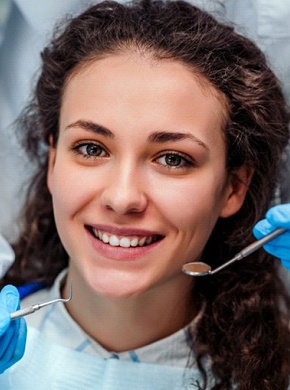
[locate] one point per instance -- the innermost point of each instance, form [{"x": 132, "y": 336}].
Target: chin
[
  {"x": 119, "y": 293},
  {"x": 117, "y": 283},
  {"x": 117, "y": 289}
]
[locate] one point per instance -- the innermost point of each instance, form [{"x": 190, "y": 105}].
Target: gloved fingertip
[
  {"x": 257, "y": 234},
  {"x": 279, "y": 215},
  {"x": 9, "y": 288},
  {"x": 10, "y": 297},
  {"x": 262, "y": 228}
]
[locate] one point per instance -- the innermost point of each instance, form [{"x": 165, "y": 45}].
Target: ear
[
  {"x": 51, "y": 161},
  {"x": 236, "y": 190}
]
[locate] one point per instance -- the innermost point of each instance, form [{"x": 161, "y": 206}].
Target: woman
[{"x": 158, "y": 134}]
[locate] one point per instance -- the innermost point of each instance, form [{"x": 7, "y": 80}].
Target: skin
[{"x": 112, "y": 170}]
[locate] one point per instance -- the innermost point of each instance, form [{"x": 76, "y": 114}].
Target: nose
[{"x": 124, "y": 192}]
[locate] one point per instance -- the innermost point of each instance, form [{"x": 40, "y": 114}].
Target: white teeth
[
  {"x": 114, "y": 241},
  {"x": 124, "y": 242},
  {"x": 105, "y": 238}
]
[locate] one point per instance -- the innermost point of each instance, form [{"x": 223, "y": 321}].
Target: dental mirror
[{"x": 201, "y": 269}]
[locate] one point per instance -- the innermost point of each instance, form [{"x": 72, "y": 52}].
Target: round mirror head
[{"x": 196, "y": 269}]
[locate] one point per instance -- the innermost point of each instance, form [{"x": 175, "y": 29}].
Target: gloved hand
[
  {"x": 276, "y": 217},
  {"x": 12, "y": 333}
]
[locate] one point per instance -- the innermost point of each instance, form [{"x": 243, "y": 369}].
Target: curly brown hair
[{"x": 244, "y": 326}]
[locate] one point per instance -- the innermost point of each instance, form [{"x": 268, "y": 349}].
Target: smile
[{"x": 124, "y": 241}]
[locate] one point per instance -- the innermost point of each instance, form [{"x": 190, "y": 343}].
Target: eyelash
[
  {"x": 185, "y": 161},
  {"x": 78, "y": 150}
]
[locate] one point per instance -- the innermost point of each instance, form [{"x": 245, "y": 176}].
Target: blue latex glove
[
  {"x": 12, "y": 333},
  {"x": 276, "y": 217}
]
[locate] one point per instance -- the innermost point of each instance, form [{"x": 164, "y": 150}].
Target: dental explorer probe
[
  {"x": 201, "y": 269},
  {"x": 31, "y": 309}
]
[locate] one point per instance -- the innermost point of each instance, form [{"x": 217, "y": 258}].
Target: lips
[{"x": 124, "y": 241}]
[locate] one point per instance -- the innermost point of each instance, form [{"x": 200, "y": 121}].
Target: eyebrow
[
  {"x": 156, "y": 137},
  {"x": 164, "y": 136},
  {"x": 93, "y": 127}
]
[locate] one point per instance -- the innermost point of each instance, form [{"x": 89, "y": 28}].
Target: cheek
[
  {"x": 188, "y": 203},
  {"x": 69, "y": 189}
]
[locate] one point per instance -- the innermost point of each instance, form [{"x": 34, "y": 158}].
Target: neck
[{"x": 122, "y": 324}]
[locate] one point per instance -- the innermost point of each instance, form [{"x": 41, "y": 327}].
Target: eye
[
  {"x": 175, "y": 160},
  {"x": 90, "y": 150}
]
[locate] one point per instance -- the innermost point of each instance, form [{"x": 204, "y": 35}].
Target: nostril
[
  {"x": 109, "y": 207},
  {"x": 124, "y": 201}
]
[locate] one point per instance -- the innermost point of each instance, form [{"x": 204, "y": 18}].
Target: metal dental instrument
[
  {"x": 31, "y": 309},
  {"x": 202, "y": 269}
]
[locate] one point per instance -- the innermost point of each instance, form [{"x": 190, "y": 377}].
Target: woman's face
[{"x": 138, "y": 177}]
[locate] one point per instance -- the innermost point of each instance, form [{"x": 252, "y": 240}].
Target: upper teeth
[{"x": 123, "y": 241}]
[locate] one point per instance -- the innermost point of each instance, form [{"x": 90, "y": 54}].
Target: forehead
[
  {"x": 126, "y": 60},
  {"x": 137, "y": 88}
]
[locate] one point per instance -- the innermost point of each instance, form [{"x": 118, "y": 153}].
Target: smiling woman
[
  {"x": 156, "y": 131},
  {"x": 131, "y": 165}
]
